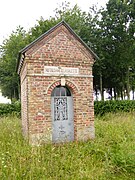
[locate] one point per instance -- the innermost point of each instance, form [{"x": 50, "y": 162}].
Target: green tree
[
  {"x": 115, "y": 45},
  {"x": 9, "y": 80}
]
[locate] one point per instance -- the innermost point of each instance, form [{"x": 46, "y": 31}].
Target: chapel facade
[{"x": 56, "y": 78}]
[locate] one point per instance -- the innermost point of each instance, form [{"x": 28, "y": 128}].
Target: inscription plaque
[{"x": 60, "y": 70}]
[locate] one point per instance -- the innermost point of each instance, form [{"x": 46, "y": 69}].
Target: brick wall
[
  {"x": 24, "y": 99},
  {"x": 61, "y": 49}
]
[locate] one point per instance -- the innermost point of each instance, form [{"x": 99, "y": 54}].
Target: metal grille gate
[{"x": 62, "y": 115}]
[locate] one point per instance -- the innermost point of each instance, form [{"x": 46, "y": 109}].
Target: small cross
[{"x": 61, "y": 127}]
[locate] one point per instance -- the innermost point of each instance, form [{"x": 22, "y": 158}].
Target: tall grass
[{"x": 110, "y": 156}]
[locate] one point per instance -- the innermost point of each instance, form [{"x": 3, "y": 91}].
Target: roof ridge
[{"x": 63, "y": 22}]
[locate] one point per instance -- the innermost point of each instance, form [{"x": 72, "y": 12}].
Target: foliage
[
  {"x": 100, "y": 107},
  {"x": 40, "y": 28},
  {"x": 115, "y": 45},
  {"x": 110, "y": 156},
  {"x": 103, "y": 107},
  {"x": 79, "y": 21},
  {"x": 9, "y": 80},
  {"x": 14, "y": 108}
]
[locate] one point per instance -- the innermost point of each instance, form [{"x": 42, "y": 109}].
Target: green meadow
[{"x": 110, "y": 156}]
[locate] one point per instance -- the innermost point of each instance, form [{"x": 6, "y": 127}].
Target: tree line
[{"x": 109, "y": 32}]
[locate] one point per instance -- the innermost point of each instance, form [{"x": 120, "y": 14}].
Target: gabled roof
[{"x": 21, "y": 52}]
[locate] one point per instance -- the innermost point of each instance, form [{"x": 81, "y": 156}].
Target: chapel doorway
[{"x": 62, "y": 115}]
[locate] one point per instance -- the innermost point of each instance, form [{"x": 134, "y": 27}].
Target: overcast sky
[{"x": 26, "y": 12}]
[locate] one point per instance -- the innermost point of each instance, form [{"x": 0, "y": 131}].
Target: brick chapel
[{"x": 57, "y": 102}]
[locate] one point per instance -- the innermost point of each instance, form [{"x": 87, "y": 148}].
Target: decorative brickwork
[{"x": 70, "y": 62}]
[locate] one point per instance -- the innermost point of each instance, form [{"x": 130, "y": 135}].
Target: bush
[
  {"x": 102, "y": 107},
  {"x": 14, "y": 108}
]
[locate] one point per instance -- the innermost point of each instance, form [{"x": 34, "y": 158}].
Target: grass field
[{"x": 110, "y": 156}]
